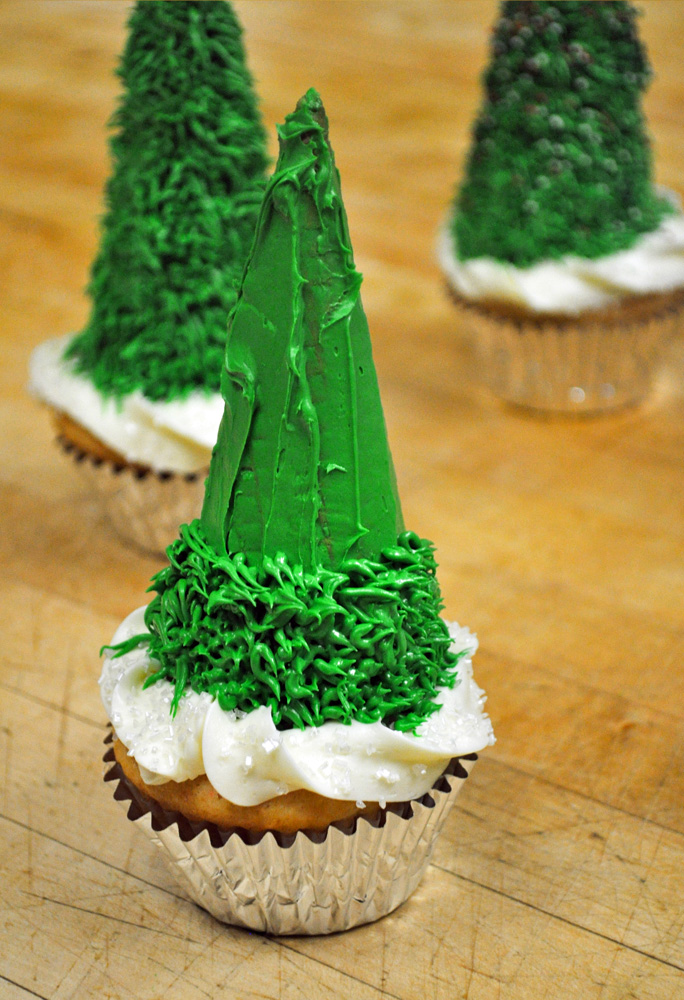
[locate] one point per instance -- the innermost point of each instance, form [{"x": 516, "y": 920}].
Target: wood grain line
[
  {"x": 51, "y": 705},
  {"x": 287, "y": 946},
  {"x": 110, "y": 916},
  {"x": 564, "y": 920},
  {"x": 25, "y": 989},
  {"x": 511, "y": 661},
  {"x": 91, "y": 857},
  {"x": 528, "y": 773}
]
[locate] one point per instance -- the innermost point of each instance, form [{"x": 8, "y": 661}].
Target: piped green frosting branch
[
  {"x": 361, "y": 642},
  {"x": 560, "y": 161},
  {"x": 189, "y": 159}
]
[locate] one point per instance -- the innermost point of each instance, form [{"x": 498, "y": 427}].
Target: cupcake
[
  {"x": 566, "y": 260},
  {"x": 291, "y": 716},
  {"x": 135, "y": 397}
]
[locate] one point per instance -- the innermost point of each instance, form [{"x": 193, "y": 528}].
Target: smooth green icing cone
[
  {"x": 302, "y": 466},
  {"x": 298, "y": 589},
  {"x": 189, "y": 159},
  {"x": 560, "y": 161}
]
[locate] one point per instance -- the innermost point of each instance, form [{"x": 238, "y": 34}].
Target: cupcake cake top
[
  {"x": 189, "y": 160},
  {"x": 298, "y": 603},
  {"x": 560, "y": 162}
]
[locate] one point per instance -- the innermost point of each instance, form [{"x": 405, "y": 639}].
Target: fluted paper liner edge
[
  {"x": 583, "y": 368},
  {"x": 307, "y": 883}
]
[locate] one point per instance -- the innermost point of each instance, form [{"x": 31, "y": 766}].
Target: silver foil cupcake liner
[
  {"x": 144, "y": 507},
  {"x": 306, "y": 883},
  {"x": 569, "y": 367},
  {"x": 585, "y": 364}
]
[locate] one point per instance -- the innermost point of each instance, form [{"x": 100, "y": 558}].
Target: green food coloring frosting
[
  {"x": 560, "y": 161},
  {"x": 298, "y": 588},
  {"x": 189, "y": 159},
  {"x": 302, "y": 465},
  {"x": 364, "y": 641}
]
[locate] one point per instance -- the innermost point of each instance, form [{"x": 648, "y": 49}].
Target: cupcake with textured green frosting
[
  {"x": 557, "y": 223},
  {"x": 136, "y": 394},
  {"x": 292, "y": 673}
]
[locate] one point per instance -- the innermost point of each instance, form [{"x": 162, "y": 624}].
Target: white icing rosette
[{"x": 248, "y": 760}]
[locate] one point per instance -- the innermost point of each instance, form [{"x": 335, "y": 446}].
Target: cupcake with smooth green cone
[
  {"x": 291, "y": 716},
  {"x": 566, "y": 260},
  {"x": 135, "y": 397}
]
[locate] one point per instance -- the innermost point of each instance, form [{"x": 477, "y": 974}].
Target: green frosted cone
[
  {"x": 189, "y": 157},
  {"x": 302, "y": 466},
  {"x": 560, "y": 161}
]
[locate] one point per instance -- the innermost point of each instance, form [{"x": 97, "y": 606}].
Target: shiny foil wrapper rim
[
  {"x": 595, "y": 361},
  {"x": 571, "y": 367},
  {"x": 311, "y": 882},
  {"x": 145, "y": 507}
]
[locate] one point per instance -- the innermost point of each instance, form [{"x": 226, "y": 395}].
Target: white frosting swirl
[
  {"x": 571, "y": 285},
  {"x": 174, "y": 436},
  {"x": 247, "y": 760}
]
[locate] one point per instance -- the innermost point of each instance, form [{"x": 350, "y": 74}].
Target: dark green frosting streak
[
  {"x": 189, "y": 158},
  {"x": 364, "y": 641},
  {"x": 560, "y": 161}
]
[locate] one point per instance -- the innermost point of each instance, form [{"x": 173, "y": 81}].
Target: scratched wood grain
[{"x": 560, "y": 542}]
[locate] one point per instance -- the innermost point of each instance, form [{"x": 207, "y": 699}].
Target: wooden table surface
[{"x": 561, "y": 544}]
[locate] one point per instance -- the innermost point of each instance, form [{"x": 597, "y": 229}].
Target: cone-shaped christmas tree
[
  {"x": 560, "y": 162},
  {"x": 298, "y": 588},
  {"x": 189, "y": 159}
]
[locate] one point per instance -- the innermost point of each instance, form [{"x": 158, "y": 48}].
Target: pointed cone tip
[
  {"x": 308, "y": 113},
  {"x": 311, "y": 101}
]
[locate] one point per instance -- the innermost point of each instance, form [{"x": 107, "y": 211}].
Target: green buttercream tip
[
  {"x": 362, "y": 642},
  {"x": 299, "y": 588},
  {"x": 189, "y": 158},
  {"x": 302, "y": 465},
  {"x": 560, "y": 161}
]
